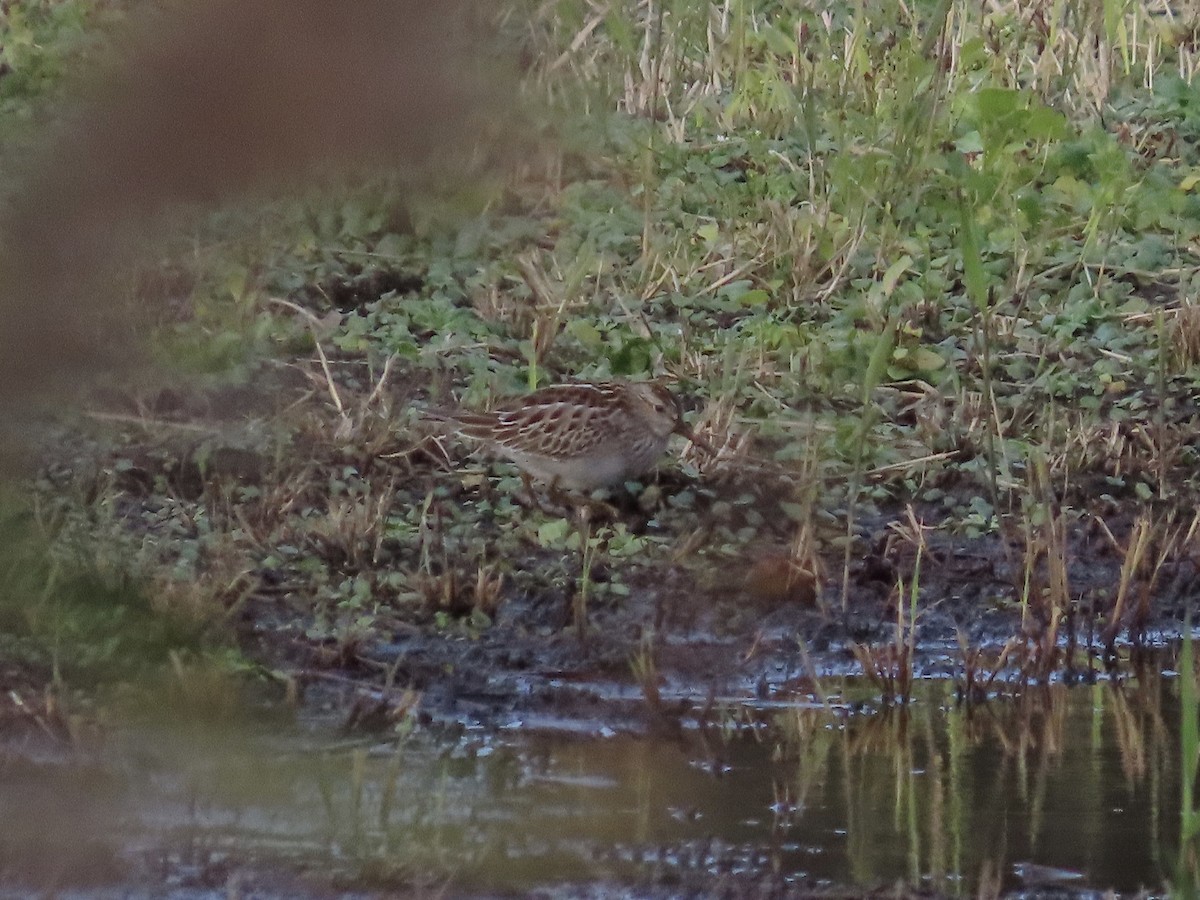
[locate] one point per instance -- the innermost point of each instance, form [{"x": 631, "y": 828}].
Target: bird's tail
[{"x": 469, "y": 424}]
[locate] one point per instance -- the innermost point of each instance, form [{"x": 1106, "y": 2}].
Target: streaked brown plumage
[{"x": 578, "y": 436}]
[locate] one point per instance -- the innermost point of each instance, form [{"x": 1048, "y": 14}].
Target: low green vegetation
[
  {"x": 924, "y": 277},
  {"x": 938, "y": 255}
]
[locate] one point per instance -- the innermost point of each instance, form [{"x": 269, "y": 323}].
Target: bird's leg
[
  {"x": 529, "y": 496},
  {"x": 560, "y": 497},
  {"x": 595, "y": 508}
]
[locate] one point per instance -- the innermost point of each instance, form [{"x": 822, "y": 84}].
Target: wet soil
[
  {"x": 710, "y": 649},
  {"x": 690, "y": 638},
  {"x": 736, "y": 623}
]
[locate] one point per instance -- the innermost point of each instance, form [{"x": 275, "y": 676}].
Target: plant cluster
[{"x": 936, "y": 254}]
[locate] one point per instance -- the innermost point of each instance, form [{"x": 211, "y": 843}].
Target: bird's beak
[{"x": 685, "y": 431}]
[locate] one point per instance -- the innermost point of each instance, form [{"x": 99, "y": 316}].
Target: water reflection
[
  {"x": 1059, "y": 785},
  {"x": 1055, "y": 782}
]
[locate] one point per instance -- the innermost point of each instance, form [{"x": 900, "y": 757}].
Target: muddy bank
[
  {"x": 428, "y": 674},
  {"x": 374, "y": 570},
  {"x": 672, "y": 652}
]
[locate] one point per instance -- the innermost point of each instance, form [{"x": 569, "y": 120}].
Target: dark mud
[
  {"x": 703, "y": 627},
  {"x": 688, "y": 648},
  {"x": 711, "y": 649}
]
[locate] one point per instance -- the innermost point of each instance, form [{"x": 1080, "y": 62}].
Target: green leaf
[
  {"x": 586, "y": 333},
  {"x": 632, "y": 357},
  {"x": 926, "y": 360},
  {"x": 971, "y": 142},
  {"x": 893, "y": 273},
  {"x": 1045, "y": 124},
  {"x": 879, "y": 359},
  {"x": 754, "y": 297},
  {"x": 553, "y": 532},
  {"x": 973, "y": 273},
  {"x": 795, "y": 511},
  {"x": 995, "y": 103},
  {"x": 389, "y": 245}
]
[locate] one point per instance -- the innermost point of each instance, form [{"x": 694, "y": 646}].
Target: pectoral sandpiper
[{"x": 578, "y": 436}]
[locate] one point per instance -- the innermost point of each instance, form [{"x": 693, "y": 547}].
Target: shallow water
[{"x": 1072, "y": 786}]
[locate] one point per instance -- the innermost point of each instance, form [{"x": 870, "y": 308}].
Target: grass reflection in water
[{"x": 1058, "y": 784}]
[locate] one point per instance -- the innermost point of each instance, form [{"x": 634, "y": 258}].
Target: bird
[{"x": 579, "y": 436}]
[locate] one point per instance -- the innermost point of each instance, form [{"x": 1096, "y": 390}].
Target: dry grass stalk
[
  {"x": 354, "y": 528},
  {"x": 644, "y": 666},
  {"x": 728, "y": 447},
  {"x": 1184, "y": 334},
  {"x": 980, "y": 670},
  {"x": 1147, "y": 549}
]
